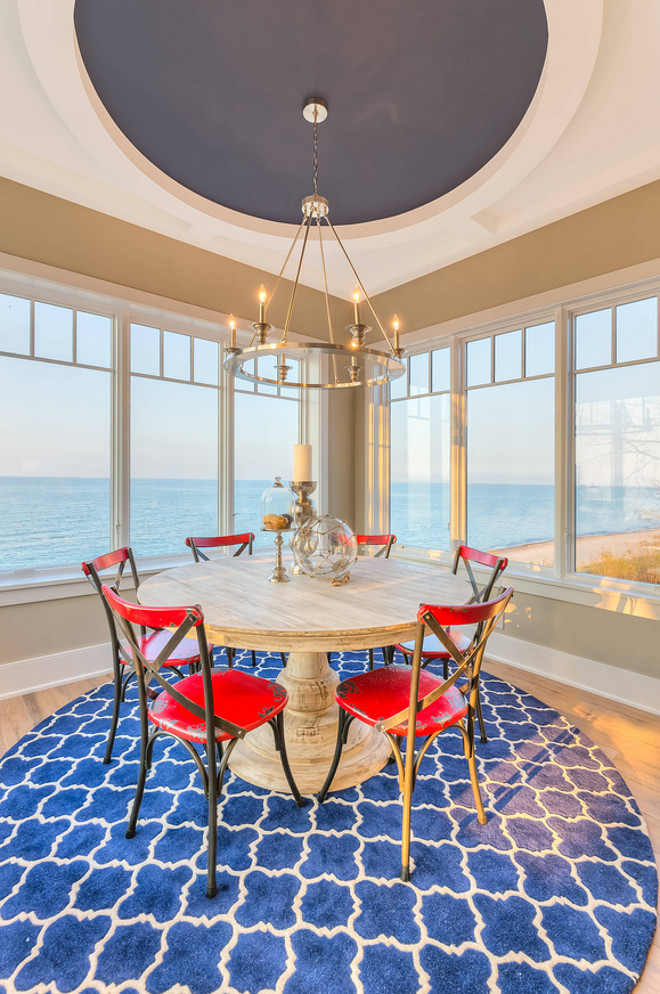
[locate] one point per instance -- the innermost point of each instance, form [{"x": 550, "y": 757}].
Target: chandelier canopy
[{"x": 328, "y": 365}]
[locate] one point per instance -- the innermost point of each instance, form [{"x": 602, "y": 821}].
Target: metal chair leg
[
  {"x": 142, "y": 777},
  {"x": 480, "y": 717},
  {"x": 468, "y": 746},
  {"x": 345, "y": 720},
  {"x": 230, "y": 656},
  {"x": 371, "y": 659},
  {"x": 283, "y": 658},
  {"x": 115, "y": 720},
  {"x": 277, "y": 724},
  {"x": 254, "y": 658},
  {"x": 211, "y": 881}
]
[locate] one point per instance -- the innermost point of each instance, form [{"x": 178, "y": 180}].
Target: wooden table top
[{"x": 378, "y": 606}]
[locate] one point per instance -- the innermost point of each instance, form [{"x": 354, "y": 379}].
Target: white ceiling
[{"x": 592, "y": 132}]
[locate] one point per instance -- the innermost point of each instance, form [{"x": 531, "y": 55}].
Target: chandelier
[{"x": 331, "y": 364}]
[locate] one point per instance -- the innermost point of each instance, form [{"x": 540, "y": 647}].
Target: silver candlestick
[{"x": 304, "y": 508}]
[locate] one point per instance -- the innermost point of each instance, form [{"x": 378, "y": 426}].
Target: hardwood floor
[{"x": 630, "y": 738}]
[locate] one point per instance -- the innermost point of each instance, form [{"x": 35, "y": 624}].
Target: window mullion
[
  {"x": 564, "y": 447},
  {"x": 458, "y": 435},
  {"x": 226, "y": 466},
  {"x": 121, "y": 432}
]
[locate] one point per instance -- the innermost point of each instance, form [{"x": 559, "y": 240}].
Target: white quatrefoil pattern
[{"x": 557, "y": 893}]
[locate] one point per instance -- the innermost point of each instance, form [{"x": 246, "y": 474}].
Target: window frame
[
  {"x": 561, "y": 581},
  {"x": 44, "y": 284}
]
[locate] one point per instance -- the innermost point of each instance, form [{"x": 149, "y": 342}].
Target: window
[
  {"x": 174, "y": 439},
  {"x": 266, "y": 427},
  {"x": 114, "y": 429},
  {"x": 420, "y": 449},
  {"x": 617, "y": 441},
  {"x": 55, "y": 384},
  {"x": 510, "y": 443}
]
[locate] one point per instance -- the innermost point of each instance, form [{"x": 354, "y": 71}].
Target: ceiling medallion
[{"x": 322, "y": 366}]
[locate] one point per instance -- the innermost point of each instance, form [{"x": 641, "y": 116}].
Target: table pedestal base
[{"x": 310, "y": 722}]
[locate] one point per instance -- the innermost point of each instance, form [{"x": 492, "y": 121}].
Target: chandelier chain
[{"x": 315, "y": 154}]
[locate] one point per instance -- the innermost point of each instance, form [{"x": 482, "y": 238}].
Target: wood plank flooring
[{"x": 630, "y": 738}]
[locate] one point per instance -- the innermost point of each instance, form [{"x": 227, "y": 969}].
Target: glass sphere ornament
[{"x": 325, "y": 548}]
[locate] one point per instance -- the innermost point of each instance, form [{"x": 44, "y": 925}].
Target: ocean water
[{"x": 50, "y": 521}]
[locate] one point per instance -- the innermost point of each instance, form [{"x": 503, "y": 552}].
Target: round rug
[{"x": 556, "y": 893}]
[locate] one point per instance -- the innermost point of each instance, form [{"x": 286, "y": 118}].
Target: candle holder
[
  {"x": 277, "y": 514},
  {"x": 304, "y": 509}
]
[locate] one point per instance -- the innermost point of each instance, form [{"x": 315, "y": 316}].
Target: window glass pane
[
  {"x": 419, "y": 494},
  {"x": 93, "y": 339},
  {"x": 510, "y": 467},
  {"x": 293, "y": 377},
  {"x": 617, "y": 495},
  {"x": 55, "y": 488},
  {"x": 53, "y": 332},
  {"x": 478, "y": 362},
  {"x": 440, "y": 367},
  {"x": 174, "y": 464},
  {"x": 266, "y": 429},
  {"x": 206, "y": 361},
  {"x": 540, "y": 349},
  {"x": 419, "y": 373},
  {"x": 593, "y": 339},
  {"x": 267, "y": 366},
  {"x": 399, "y": 386},
  {"x": 145, "y": 349},
  {"x": 637, "y": 330},
  {"x": 14, "y": 324},
  {"x": 176, "y": 355},
  {"x": 508, "y": 356}
]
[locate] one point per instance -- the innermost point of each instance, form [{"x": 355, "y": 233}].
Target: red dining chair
[
  {"x": 187, "y": 653},
  {"x": 213, "y": 708},
  {"x": 384, "y": 544},
  {"x": 433, "y": 649},
  {"x": 243, "y": 541},
  {"x": 387, "y": 697}
]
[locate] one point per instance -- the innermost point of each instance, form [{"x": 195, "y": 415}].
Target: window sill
[
  {"x": 38, "y": 585},
  {"x": 637, "y": 599}
]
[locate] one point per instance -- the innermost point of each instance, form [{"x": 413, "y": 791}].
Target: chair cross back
[
  {"x": 485, "y": 616},
  {"x": 385, "y": 541},
  {"x": 244, "y": 540},
  {"x": 184, "y": 618},
  {"x": 467, "y": 556}
]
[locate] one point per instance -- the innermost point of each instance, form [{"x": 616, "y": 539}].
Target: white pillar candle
[{"x": 302, "y": 463}]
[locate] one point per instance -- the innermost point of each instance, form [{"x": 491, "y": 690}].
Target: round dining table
[{"x": 307, "y": 618}]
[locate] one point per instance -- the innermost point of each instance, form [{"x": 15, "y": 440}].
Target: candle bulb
[
  {"x": 395, "y": 325},
  {"x": 302, "y": 463},
  {"x": 356, "y": 301},
  {"x": 262, "y": 304},
  {"x": 232, "y": 331}
]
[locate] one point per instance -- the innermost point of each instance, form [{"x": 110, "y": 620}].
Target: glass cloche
[
  {"x": 277, "y": 508},
  {"x": 325, "y": 548}
]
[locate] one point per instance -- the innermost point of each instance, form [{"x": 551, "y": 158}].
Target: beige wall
[
  {"x": 613, "y": 235},
  {"x": 58, "y": 233}
]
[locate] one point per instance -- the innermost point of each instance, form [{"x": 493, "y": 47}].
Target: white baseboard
[
  {"x": 616, "y": 684},
  {"x": 28, "y": 675}
]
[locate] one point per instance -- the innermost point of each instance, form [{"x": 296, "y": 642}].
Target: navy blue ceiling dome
[{"x": 421, "y": 96}]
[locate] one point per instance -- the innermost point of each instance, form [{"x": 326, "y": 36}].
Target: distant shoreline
[{"x": 588, "y": 547}]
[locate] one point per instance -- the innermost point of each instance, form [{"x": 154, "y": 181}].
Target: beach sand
[{"x": 589, "y": 547}]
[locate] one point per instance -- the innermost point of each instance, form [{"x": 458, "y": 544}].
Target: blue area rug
[{"x": 556, "y": 893}]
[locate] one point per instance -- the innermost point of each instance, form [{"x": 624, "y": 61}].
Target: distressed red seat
[
  {"x": 433, "y": 649},
  {"x": 151, "y": 643},
  {"x": 386, "y": 699},
  {"x": 214, "y": 708}
]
